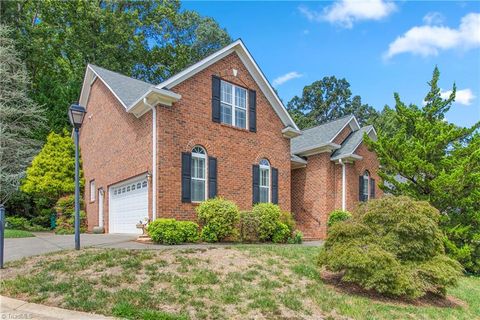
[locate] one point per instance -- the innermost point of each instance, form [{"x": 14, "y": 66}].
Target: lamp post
[{"x": 76, "y": 113}]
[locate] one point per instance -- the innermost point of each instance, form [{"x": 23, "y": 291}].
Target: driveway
[{"x": 17, "y": 248}]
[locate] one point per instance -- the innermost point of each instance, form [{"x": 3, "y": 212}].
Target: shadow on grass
[{"x": 334, "y": 280}]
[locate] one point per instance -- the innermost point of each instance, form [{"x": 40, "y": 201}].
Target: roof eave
[
  {"x": 324, "y": 147},
  {"x": 347, "y": 157},
  {"x": 289, "y": 132},
  {"x": 153, "y": 97}
]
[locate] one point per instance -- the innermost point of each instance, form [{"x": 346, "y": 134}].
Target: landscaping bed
[{"x": 241, "y": 282}]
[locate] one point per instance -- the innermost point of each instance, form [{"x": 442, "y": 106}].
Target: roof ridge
[
  {"x": 119, "y": 74},
  {"x": 338, "y": 119}
]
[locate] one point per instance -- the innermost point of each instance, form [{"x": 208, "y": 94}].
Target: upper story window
[
  {"x": 93, "y": 190},
  {"x": 366, "y": 187},
  {"x": 198, "y": 174},
  {"x": 264, "y": 182},
  {"x": 233, "y": 101}
]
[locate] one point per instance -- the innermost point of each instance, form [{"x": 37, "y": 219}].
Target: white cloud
[
  {"x": 464, "y": 96},
  {"x": 428, "y": 40},
  {"x": 432, "y": 18},
  {"x": 286, "y": 77},
  {"x": 346, "y": 12}
]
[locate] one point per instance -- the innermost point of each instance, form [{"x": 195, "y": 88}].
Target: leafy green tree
[
  {"x": 425, "y": 157},
  {"x": 19, "y": 116},
  {"x": 52, "y": 173},
  {"x": 326, "y": 100},
  {"x": 150, "y": 40}
]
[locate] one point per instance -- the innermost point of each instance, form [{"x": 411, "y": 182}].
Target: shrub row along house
[{"x": 215, "y": 129}]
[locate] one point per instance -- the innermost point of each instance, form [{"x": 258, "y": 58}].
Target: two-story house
[{"x": 215, "y": 129}]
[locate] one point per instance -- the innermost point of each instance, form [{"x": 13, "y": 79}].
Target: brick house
[
  {"x": 331, "y": 169},
  {"x": 215, "y": 129}
]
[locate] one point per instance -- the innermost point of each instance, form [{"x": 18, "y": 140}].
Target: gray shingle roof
[
  {"x": 351, "y": 143},
  {"x": 296, "y": 158},
  {"x": 318, "y": 135},
  {"x": 127, "y": 89}
]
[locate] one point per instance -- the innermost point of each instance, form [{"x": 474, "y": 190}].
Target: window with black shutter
[
  {"x": 252, "y": 113},
  {"x": 256, "y": 184},
  {"x": 212, "y": 177},
  {"x": 216, "y": 99},
  {"x": 275, "y": 185},
  {"x": 372, "y": 188},
  {"x": 186, "y": 176}
]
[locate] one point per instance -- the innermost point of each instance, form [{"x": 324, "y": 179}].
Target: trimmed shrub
[
  {"x": 281, "y": 233},
  {"x": 249, "y": 225},
  {"x": 287, "y": 218},
  {"x": 171, "y": 231},
  {"x": 219, "y": 218},
  {"x": 17, "y": 223},
  {"x": 337, "y": 216},
  {"x": 65, "y": 208},
  {"x": 392, "y": 245},
  {"x": 295, "y": 238},
  {"x": 269, "y": 215}
]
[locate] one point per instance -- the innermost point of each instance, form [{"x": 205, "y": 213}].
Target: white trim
[
  {"x": 344, "y": 185},
  {"x": 350, "y": 156},
  {"x": 205, "y": 179},
  {"x": 101, "y": 197},
  {"x": 233, "y": 104},
  {"x": 238, "y": 47},
  {"x": 93, "y": 190},
  {"x": 357, "y": 127},
  {"x": 323, "y": 147},
  {"x": 105, "y": 83},
  {"x": 269, "y": 168},
  {"x": 154, "y": 158},
  {"x": 289, "y": 132}
]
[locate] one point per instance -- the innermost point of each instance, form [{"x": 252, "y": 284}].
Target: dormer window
[{"x": 233, "y": 102}]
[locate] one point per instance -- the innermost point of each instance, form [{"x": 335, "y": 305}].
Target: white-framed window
[
  {"x": 93, "y": 190},
  {"x": 365, "y": 185},
  {"x": 233, "y": 105},
  {"x": 198, "y": 174},
  {"x": 264, "y": 182}
]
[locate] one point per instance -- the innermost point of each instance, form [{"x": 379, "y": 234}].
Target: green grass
[
  {"x": 247, "y": 281},
  {"x": 10, "y": 233}
]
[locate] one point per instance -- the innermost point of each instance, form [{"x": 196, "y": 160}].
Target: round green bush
[
  {"x": 268, "y": 215},
  {"x": 337, "y": 216},
  {"x": 295, "y": 238},
  {"x": 171, "y": 231},
  {"x": 392, "y": 245},
  {"x": 281, "y": 233},
  {"x": 219, "y": 218},
  {"x": 286, "y": 217}
]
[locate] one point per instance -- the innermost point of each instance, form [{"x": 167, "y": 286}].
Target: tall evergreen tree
[
  {"x": 19, "y": 116},
  {"x": 425, "y": 157},
  {"x": 149, "y": 40}
]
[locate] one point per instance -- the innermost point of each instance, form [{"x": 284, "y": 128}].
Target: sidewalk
[{"x": 18, "y": 309}]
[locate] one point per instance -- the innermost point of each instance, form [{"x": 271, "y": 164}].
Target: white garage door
[{"x": 128, "y": 205}]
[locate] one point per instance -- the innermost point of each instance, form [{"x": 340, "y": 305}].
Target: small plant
[
  {"x": 337, "y": 216},
  {"x": 394, "y": 246},
  {"x": 295, "y": 238},
  {"x": 171, "y": 231},
  {"x": 281, "y": 233},
  {"x": 269, "y": 215},
  {"x": 249, "y": 225},
  {"x": 65, "y": 208},
  {"x": 219, "y": 218},
  {"x": 286, "y": 217}
]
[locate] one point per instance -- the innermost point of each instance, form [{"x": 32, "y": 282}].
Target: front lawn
[
  {"x": 10, "y": 233},
  {"x": 240, "y": 282}
]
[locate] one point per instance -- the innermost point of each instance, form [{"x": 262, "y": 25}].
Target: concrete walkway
[
  {"x": 17, "y": 248},
  {"x": 18, "y": 309}
]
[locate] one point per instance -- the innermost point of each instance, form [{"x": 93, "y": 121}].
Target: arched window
[
  {"x": 199, "y": 174},
  {"x": 264, "y": 182},
  {"x": 364, "y": 183}
]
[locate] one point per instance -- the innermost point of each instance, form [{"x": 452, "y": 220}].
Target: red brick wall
[
  {"x": 114, "y": 146},
  {"x": 317, "y": 189},
  {"x": 189, "y": 122}
]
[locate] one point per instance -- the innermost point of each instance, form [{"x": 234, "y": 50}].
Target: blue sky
[{"x": 380, "y": 47}]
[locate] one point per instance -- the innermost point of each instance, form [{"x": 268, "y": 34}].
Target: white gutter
[
  {"x": 344, "y": 186},
  {"x": 154, "y": 158}
]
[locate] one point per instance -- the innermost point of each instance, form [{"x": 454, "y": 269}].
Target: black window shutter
[
  {"x": 360, "y": 188},
  {"x": 252, "y": 109},
  {"x": 186, "y": 176},
  {"x": 275, "y": 185},
  {"x": 212, "y": 177},
  {"x": 372, "y": 188},
  {"x": 215, "y": 99},
  {"x": 256, "y": 183}
]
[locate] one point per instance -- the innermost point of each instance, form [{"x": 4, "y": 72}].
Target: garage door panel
[{"x": 128, "y": 206}]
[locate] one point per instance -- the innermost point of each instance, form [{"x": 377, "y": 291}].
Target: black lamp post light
[{"x": 76, "y": 113}]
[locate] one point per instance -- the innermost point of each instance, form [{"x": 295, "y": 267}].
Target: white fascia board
[
  {"x": 299, "y": 160},
  {"x": 351, "y": 156},
  {"x": 156, "y": 96},
  {"x": 238, "y": 47},
  {"x": 354, "y": 127},
  {"x": 324, "y": 147},
  {"x": 289, "y": 132}
]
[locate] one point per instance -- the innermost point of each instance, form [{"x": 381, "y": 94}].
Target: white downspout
[
  {"x": 344, "y": 186},
  {"x": 154, "y": 158}
]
